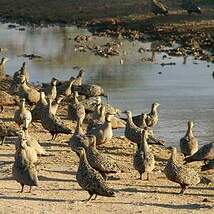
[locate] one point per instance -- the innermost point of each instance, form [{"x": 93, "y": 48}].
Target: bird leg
[
  {"x": 21, "y": 191},
  {"x": 140, "y": 176},
  {"x": 30, "y": 189},
  {"x": 94, "y": 197},
  {"x": 2, "y": 140},
  {"x": 90, "y": 197},
  {"x": 104, "y": 176},
  {"x": 54, "y": 137},
  {"x": 183, "y": 188},
  {"x": 148, "y": 176}
]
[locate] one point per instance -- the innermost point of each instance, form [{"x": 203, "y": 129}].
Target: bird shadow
[
  {"x": 169, "y": 206},
  {"x": 178, "y": 206},
  {"x": 134, "y": 190},
  {"x": 6, "y": 155},
  {"x": 9, "y": 119},
  {"x": 62, "y": 172},
  {"x": 114, "y": 151},
  {"x": 3, "y": 163},
  {"x": 23, "y": 197},
  {"x": 52, "y": 143},
  {"x": 6, "y": 178},
  {"x": 44, "y": 178}
]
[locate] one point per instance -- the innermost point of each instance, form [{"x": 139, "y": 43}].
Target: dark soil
[{"x": 70, "y": 11}]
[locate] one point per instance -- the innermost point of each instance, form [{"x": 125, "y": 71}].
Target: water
[{"x": 185, "y": 91}]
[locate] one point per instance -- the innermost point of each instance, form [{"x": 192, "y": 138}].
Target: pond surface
[{"x": 185, "y": 91}]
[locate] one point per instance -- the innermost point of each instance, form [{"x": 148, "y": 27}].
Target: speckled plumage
[
  {"x": 144, "y": 161},
  {"x": 89, "y": 90},
  {"x": 189, "y": 143},
  {"x": 103, "y": 164},
  {"x": 40, "y": 106},
  {"x": 206, "y": 152},
  {"x": 53, "y": 124},
  {"x": 78, "y": 139},
  {"x": 180, "y": 174},
  {"x": 89, "y": 179}
]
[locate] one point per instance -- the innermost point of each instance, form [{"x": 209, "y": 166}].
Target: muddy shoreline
[{"x": 195, "y": 33}]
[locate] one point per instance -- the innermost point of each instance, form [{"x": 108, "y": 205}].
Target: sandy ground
[{"x": 60, "y": 193}]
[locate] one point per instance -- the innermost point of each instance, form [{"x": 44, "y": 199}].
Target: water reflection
[{"x": 185, "y": 90}]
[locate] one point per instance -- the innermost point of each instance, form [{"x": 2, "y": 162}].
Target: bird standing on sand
[
  {"x": 91, "y": 180},
  {"x": 24, "y": 170},
  {"x": 188, "y": 143},
  {"x": 144, "y": 161},
  {"x": 103, "y": 132},
  {"x": 180, "y": 174},
  {"x": 53, "y": 124},
  {"x": 98, "y": 161},
  {"x": 23, "y": 116}
]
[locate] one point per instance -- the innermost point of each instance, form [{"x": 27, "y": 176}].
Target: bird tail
[
  {"x": 204, "y": 167},
  {"x": 188, "y": 159},
  {"x": 153, "y": 140},
  {"x": 124, "y": 119},
  {"x": 109, "y": 193},
  {"x": 206, "y": 180},
  {"x": 66, "y": 131}
]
